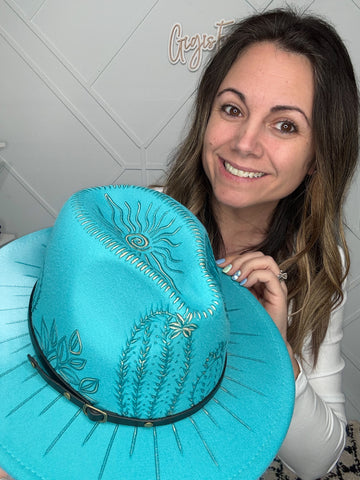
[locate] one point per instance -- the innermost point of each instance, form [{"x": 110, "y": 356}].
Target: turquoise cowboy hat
[{"x": 125, "y": 352}]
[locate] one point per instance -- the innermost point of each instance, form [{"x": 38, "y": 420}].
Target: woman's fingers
[
  {"x": 239, "y": 267},
  {"x": 259, "y": 273}
]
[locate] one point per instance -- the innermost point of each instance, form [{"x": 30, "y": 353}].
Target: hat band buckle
[
  {"x": 50, "y": 375},
  {"x": 95, "y": 414}
]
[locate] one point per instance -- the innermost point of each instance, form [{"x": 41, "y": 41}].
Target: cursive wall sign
[{"x": 180, "y": 45}]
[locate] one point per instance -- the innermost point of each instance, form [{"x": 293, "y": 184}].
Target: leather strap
[{"x": 101, "y": 415}]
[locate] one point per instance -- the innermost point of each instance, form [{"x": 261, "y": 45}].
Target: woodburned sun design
[{"x": 145, "y": 235}]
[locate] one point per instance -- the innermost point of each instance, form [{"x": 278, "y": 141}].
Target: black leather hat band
[{"x": 94, "y": 413}]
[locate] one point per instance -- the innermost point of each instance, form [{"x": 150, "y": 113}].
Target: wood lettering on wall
[{"x": 198, "y": 43}]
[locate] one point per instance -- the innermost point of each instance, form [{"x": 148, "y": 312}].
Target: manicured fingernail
[
  {"x": 227, "y": 268},
  {"x": 243, "y": 281},
  {"x": 219, "y": 262},
  {"x": 236, "y": 275}
]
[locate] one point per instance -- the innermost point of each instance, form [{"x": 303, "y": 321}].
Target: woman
[{"x": 265, "y": 166}]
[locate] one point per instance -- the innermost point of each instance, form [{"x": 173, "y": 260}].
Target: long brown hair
[{"x": 306, "y": 228}]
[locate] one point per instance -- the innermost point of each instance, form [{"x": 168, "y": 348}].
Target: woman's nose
[{"x": 248, "y": 139}]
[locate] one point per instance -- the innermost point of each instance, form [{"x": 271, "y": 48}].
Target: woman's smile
[
  {"x": 242, "y": 172},
  {"x": 258, "y": 142}
]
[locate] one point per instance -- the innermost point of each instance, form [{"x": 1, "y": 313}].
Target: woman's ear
[
  {"x": 312, "y": 167},
  {"x": 312, "y": 170}
]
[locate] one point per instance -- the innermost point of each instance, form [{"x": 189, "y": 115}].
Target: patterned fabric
[
  {"x": 132, "y": 312},
  {"x": 347, "y": 468}
]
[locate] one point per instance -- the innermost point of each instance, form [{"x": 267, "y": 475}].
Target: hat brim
[{"x": 235, "y": 436}]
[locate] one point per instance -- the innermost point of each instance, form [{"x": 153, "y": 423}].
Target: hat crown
[{"x": 128, "y": 308}]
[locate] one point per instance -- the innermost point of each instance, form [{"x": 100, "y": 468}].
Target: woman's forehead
[{"x": 268, "y": 73}]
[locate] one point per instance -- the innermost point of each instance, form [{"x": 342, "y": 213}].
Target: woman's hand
[{"x": 260, "y": 274}]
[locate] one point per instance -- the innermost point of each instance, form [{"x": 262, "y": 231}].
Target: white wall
[{"x": 88, "y": 96}]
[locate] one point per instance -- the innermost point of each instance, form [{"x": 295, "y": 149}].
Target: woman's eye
[
  {"x": 231, "y": 110},
  {"x": 285, "y": 126}
]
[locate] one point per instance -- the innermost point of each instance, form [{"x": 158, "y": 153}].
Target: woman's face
[{"x": 258, "y": 142}]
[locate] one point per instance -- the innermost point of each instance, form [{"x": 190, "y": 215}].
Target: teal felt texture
[{"x": 131, "y": 310}]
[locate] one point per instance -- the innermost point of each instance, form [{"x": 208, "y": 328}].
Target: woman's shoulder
[{"x": 158, "y": 188}]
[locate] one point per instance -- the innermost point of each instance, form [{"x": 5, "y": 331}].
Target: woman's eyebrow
[
  {"x": 279, "y": 108},
  {"x": 233, "y": 90},
  {"x": 276, "y": 108}
]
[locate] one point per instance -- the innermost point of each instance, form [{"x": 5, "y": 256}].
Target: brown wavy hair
[{"x": 306, "y": 228}]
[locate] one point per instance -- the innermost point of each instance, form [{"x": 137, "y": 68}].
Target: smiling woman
[
  {"x": 258, "y": 142},
  {"x": 276, "y": 112}
]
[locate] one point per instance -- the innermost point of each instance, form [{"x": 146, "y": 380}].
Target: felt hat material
[{"x": 131, "y": 315}]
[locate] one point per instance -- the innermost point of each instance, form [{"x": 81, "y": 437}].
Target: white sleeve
[{"x": 317, "y": 435}]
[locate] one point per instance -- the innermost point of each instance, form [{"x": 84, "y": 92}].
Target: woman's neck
[{"x": 241, "y": 229}]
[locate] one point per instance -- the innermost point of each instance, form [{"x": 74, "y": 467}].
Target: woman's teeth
[{"x": 242, "y": 173}]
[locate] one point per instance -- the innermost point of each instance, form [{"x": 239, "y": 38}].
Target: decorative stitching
[{"x": 133, "y": 222}]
